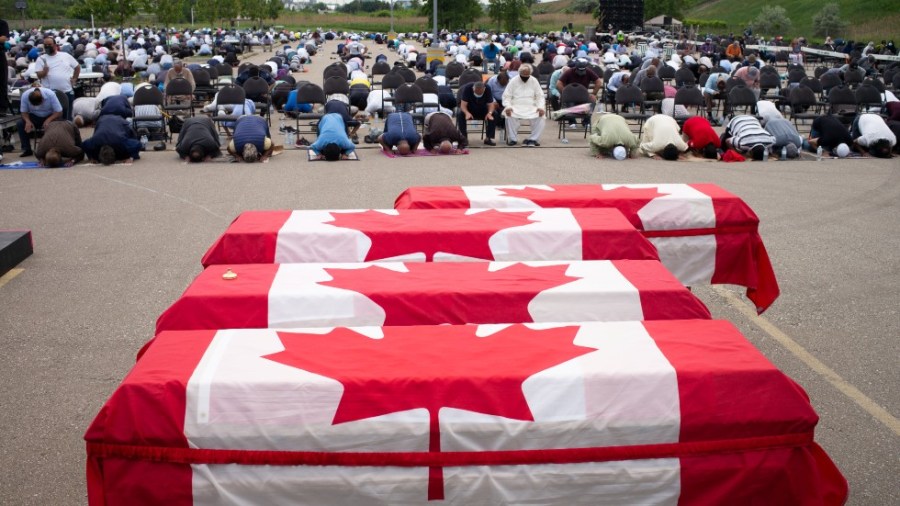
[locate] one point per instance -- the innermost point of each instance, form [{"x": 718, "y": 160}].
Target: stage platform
[{"x": 15, "y": 246}]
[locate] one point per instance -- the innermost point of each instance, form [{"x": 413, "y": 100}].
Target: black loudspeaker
[{"x": 622, "y": 15}]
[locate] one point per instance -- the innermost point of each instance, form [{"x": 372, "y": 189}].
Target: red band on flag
[{"x": 446, "y": 459}]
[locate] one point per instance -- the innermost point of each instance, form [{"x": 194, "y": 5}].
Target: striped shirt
[{"x": 746, "y": 132}]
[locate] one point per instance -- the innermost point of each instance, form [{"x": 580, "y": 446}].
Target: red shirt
[{"x": 700, "y": 133}]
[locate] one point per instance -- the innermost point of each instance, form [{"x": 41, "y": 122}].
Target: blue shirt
[
  {"x": 490, "y": 51},
  {"x": 250, "y": 129},
  {"x": 116, "y": 132},
  {"x": 292, "y": 105},
  {"x": 399, "y": 126},
  {"x": 497, "y": 89},
  {"x": 49, "y": 106},
  {"x": 333, "y": 131},
  {"x": 116, "y": 105}
]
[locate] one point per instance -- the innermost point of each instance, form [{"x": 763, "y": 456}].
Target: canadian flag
[
  {"x": 429, "y": 235},
  {"x": 704, "y": 234},
  {"x": 664, "y": 412},
  {"x": 432, "y": 293}
]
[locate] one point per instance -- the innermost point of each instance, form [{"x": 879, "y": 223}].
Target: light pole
[
  {"x": 434, "y": 39},
  {"x": 392, "y": 16}
]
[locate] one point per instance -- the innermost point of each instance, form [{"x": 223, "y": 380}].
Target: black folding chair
[
  {"x": 231, "y": 95},
  {"x": 573, "y": 95}
]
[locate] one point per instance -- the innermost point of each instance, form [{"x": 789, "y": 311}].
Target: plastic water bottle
[
  {"x": 765, "y": 155},
  {"x": 289, "y": 140},
  {"x": 281, "y": 124},
  {"x": 819, "y": 154},
  {"x": 144, "y": 141},
  {"x": 784, "y": 153}
]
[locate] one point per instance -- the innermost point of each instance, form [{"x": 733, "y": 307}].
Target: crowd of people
[{"x": 503, "y": 80}]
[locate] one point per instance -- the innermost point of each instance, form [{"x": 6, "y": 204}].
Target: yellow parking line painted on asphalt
[
  {"x": 815, "y": 364},
  {"x": 6, "y": 278}
]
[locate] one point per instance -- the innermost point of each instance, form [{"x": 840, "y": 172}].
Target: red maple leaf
[
  {"x": 627, "y": 200},
  {"x": 440, "y": 230},
  {"x": 453, "y": 292},
  {"x": 430, "y": 367}
]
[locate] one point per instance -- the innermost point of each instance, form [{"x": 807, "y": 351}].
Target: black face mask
[
  {"x": 524, "y": 78},
  {"x": 51, "y": 50}
]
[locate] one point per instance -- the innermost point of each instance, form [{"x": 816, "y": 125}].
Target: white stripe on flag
[
  {"x": 554, "y": 234},
  {"x": 307, "y": 236},
  {"x": 296, "y": 299},
  {"x": 681, "y": 207},
  {"x": 493, "y": 196},
  {"x": 602, "y": 294},
  {"x": 204, "y": 374},
  {"x": 691, "y": 259}
]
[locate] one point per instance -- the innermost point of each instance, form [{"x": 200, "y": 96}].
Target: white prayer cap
[
  {"x": 619, "y": 153},
  {"x": 842, "y": 150}
]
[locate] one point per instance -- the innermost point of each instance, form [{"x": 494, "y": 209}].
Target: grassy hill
[{"x": 869, "y": 19}]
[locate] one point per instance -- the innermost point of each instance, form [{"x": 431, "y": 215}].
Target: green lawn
[{"x": 869, "y": 19}]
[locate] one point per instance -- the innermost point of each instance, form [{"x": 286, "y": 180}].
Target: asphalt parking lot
[{"x": 114, "y": 246}]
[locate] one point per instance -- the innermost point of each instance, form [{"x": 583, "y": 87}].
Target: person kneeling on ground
[
  {"x": 251, "y": 141},
  {"x": 198, "y": 140},
  {"x": 400, "y": 132},
  {"x": 609, "y": 132},
  {"x": 787, "y": 138},
  {"x": 701, "y": 138},
  {"x": 829, "y": 133},
  {"x": 440, "y": 133},
  {"x": 113, "y": 140},
  {"x": 746, "y": 135},
  {"x": 870, "y": 132},
  {"x": 661, "y": 137},
  {"x": 333, "y": 144},
  {"x": 61, "y": 143}
]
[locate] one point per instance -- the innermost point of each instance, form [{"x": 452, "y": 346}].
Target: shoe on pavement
[
  {"x": 510, "y": 143},
  {"x": 535, "y": 143},
  {"x": 26, "y": 153},
  {"x": 489, "y": 142}
]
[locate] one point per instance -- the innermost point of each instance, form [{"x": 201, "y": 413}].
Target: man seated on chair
[
  {"x": 609, "y": 132},
  {"x": 746, "y": 135},
  {"x": 60, "y": 144},
  {"x": 113, "y": 140},
  {"x": 701, "y": 138},
  {"x": 477, "y": 103},
  {"x": 871, "y": 133},
  {"x": 750, "y": 77},
  {"x": 714, "y": 88},
  {"x": 198, "y": 140},
  {"x": 661, "y": 137},
  {"x": 178, "y": 70},
  {"x": 251, "y": 141},
  {"x": 581, "y": 74},
  {"x": 332, "y": 143},
  {"x": 524, "y": 99},
  {"x": 40, "y": 106},
  {"x": 440, "y": 134},
  {"x": 400, "y": 132}
]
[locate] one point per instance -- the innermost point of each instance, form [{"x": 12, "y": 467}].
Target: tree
[
  {"x": 772, "y": 20},
  {"x": 511, "y": 14},
  {"x": 653, "y": 8},
  {"x": 167, "y": 12},
  {"x": 217, "y": 10},
  {"x": 453, "y": 14},
  {"x": 105, "y": 11},
  {"x": 273, "y": 9},
  {"x": 828, "y": 21},
  {"x": 367, "y": 6}
]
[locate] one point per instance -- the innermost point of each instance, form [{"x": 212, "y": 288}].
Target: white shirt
[
  {"x": 872, "y": 129},
  {"x": 62, "y": 66},
  {"x": 524, "y": 98},
  {"x": 660, "y": 131},
  {"x": 767, "y": 110}
]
